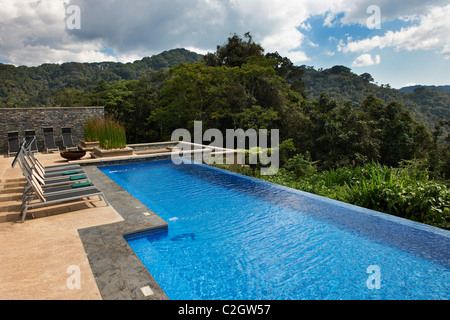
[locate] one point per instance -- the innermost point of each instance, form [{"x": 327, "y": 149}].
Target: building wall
[{"x": 21, "y": 119}]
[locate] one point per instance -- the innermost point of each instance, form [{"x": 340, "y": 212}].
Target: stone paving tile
[
  {"x": 119, "y": 273},
  {"x": 113, "y": 286}
]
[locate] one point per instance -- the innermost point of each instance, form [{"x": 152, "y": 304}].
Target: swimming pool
[{"x": 234, "y": 237}]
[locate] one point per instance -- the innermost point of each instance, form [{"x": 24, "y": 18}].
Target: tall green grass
[
  {"x": 109, "y": 133},
  {"x": 91, "y": 129},
  {"x": 112, "y": 135}
]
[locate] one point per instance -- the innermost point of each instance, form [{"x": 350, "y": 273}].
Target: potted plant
[{"x": 112, "y": 140}]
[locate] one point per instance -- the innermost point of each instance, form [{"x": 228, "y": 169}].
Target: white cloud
[
  {"x": 297, "y": 56},
  {"x": 285, "y": 42},
  {"x": 328, "y": 22},
  {"x": 431, "y": 33},
  {"x": 305, "y": 26},
  {"x": 446, "y": 51},
  {"x": 197, "y": 50},
  {"x": 34, "y": 31},
  {"x": 366, "y": 60},
  {"x": 356, "y": 11}
]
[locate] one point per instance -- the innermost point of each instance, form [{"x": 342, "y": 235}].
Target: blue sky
[
  {"x": 397, "y": 67},
  {"x": 412, "y": 45}
]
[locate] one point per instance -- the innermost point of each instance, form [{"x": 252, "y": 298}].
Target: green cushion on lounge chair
[
  {"x": 81, "y": 184},
  {"x": 67, "y": 173},
  {"x": 78, "y": 177}
]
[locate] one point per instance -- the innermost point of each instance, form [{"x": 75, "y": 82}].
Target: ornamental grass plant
[
  {"x": 91, "y": 129},
  {"x": 110, "y": 133}
]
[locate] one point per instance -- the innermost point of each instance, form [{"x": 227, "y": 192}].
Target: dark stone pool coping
[{"x": 119, "y": 274}]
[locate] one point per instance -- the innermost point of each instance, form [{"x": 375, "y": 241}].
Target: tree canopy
[{"x": 334, "y": 115}]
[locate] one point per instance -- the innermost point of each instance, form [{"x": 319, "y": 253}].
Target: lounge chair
[
  {"x": 78, "y": 189},
  {"x": 56, "y": 172},
  {"x": 13, "y": 142},
  {"x": 59, "y": 174},
  {"x": 49, "y": 139},
  {"x": 49, "y": 172},
  {"x": 67, "y": 188},
  {"x": 53, "y": 182},
  {"x": 67, "y": 139},
  {"x": 76, "y": 194},
  {"x": 18, "y": 154},
  {"x": 30, "y": 135},
  {"x": 34, "y": 162},
  {"x": 50, "y": 186},
  {"x": 51, "y": 190},
  {"x": 27, "y": 168},
  {"x": 32, "y": 159},
  {"x": 52, "y": 178}
]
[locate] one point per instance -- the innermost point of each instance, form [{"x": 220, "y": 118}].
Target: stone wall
[{"x": 21, "y": 119}]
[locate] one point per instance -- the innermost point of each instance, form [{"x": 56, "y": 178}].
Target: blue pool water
[{"x": 234, "y": 237}]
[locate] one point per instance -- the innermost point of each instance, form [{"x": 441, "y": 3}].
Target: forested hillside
[
  {"x": 341, "y": 136},
  {"x": 409, "y": 89},
  {"x": 427, "y": 104},
  {"x": 39, "y": 86},
  {"x": 53, "y": 84}
]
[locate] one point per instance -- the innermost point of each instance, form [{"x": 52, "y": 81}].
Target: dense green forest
[
  {"x": 427, "y": 104},
  {"x": 40, "y": 86},
  {"x": 412, "y": 88},
  {"x": 341, "y": 135},
  {"x": 55, "y": 85}
]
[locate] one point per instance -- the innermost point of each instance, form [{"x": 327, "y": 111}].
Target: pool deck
[{"x": 78, "y": 242}]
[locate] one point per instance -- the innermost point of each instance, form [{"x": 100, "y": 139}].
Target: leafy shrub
[
  {"x": 402, "y": 192},
  {"x": 301, "y": 165},
  {"x": 406, "y": 192}
]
